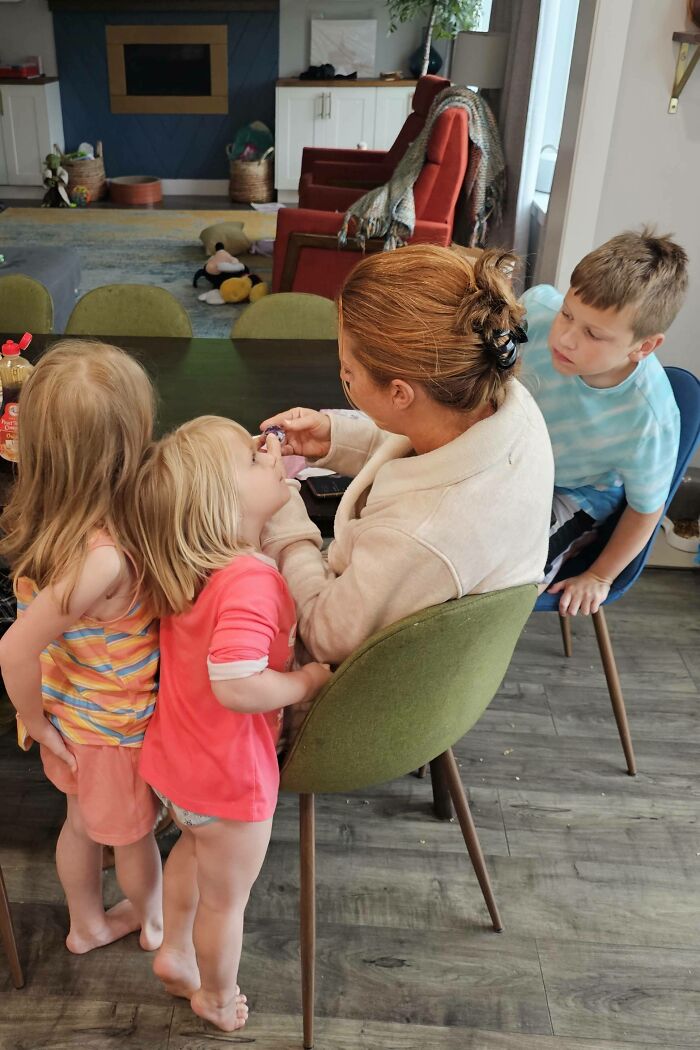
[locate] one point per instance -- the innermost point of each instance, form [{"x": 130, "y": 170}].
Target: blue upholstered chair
[{"x": 686, "y": 390}]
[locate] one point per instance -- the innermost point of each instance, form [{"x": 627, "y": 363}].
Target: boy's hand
[
  {"x": 585, "y": 593},
  {"x": 49, "y": 737}
]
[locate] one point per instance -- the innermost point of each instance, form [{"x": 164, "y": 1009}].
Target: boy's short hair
[{"x": 641, "y": 270}]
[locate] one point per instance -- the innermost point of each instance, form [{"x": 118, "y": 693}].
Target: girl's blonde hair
[
  {"x": 86, "y": 420},
  {"x": 188, "y": 514},
  {"x": 435, "y": 316}
]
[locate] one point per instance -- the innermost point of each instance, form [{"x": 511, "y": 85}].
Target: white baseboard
[
  {"x": 22, "y": 192},
  {"x": 195, "y": 187},
  {"x": 171, "y": 188}
]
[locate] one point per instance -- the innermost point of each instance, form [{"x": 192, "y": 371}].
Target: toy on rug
[
  {"x": 80, "y": 196},
  {"x": 232, "y": 281},
  {"x": 55, "y": 180},
  {"x": 227, "y": 235}
]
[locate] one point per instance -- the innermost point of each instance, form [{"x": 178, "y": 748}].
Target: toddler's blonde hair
[
  {"x": 188, "y": 514},
  {"x": 86, "y": 420}
]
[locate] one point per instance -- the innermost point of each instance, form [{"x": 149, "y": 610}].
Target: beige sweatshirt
[{"x": 414, "y": 531}]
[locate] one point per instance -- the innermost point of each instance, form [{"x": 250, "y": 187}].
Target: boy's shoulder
[{"x": 542, "y": 299}]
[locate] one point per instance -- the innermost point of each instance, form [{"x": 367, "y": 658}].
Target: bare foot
[
  {"x": 151, "y": 934},
  {"x": 118, "y": 922},
  {"x": 229, "y": 1017},
  {"x": 178, "y": 971}
]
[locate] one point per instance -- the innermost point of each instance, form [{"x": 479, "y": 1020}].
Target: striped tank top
[{"x": 98, "y": 680}]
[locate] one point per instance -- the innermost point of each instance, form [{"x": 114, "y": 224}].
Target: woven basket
[
  {"x": 252, "y": 180},
  {"x": 89, "y": 173}
]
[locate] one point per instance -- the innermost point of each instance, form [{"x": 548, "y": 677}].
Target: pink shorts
[{"x": 116, "y": 805}]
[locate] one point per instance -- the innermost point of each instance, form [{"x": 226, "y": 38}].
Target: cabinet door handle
[
  {"x": 320, "y": 113},
  {"x": 329, "y": 105}
]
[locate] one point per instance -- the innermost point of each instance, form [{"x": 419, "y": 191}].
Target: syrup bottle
[{"x": 14, "y": 371}]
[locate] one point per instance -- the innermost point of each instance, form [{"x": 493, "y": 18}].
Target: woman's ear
[{"x": 402, "y": 394}]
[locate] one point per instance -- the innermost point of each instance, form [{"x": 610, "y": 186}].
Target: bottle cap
[{"x": 10, "y": 348}]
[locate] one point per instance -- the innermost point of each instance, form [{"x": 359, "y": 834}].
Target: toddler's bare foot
[
  {"x": 151, "y": 934},
  {"x": 228, "y": 1017},
  {"x": 178, "y": 971},
  {"x": 118, "y": 922}
]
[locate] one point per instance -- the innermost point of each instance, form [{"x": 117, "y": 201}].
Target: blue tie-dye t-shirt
[{"x": 609, "y": 444}]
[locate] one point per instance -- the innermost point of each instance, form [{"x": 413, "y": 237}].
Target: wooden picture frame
[{"x": 216, "y": 36}]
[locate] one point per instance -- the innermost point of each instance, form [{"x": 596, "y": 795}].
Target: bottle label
[{"x": 9, "y": 432}]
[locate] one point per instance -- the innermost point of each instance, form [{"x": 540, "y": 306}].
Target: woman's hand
[{"x": 308, "y": 432}]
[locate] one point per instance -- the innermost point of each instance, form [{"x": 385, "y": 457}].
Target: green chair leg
[
  {"x": 8, "y": 937},
  {"x": 307, "y": 844},
  {"x": 450, "y": 772}
]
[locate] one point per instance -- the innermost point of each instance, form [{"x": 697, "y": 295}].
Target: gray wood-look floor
[{"x": 597, "y": 875}]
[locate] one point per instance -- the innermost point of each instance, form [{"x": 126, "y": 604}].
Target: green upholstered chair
[
  {"x": 129, "y": 309},
  {"x": 25, "y": 305},
  {"x": 401, "y": 700},
  {"x": 288, "y": 315}
]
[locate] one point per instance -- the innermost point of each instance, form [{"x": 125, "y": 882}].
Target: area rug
[{"x": 141, "y": 247}]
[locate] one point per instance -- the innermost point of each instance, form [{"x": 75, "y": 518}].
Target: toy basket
[
  {"x": 252, "y": 180},
  {"x": 89, "y": 173}
]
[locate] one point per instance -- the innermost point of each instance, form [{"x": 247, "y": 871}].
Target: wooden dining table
[{"x": 243, "y": 379}]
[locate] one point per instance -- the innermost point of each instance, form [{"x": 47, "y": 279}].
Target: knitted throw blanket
[{"x": 389, "y": 211}]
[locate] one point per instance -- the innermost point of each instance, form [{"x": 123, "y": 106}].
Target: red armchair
[
  {"x": 326, "y": 171},
  {"x": 307, "y": 257}
]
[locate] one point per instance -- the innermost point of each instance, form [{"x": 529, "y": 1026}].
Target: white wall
[
  {"x": 26, "y": 28},
  {"x": 646, "y": 165},
  {"x": 295, "y": 33},
  {"x": 653, "y": 167}
]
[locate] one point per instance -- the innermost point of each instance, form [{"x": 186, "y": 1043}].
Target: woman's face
[{"x": 378, "y": 402}]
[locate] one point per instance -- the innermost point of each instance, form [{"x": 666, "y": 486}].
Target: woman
[{"x": 452, "y": 470}]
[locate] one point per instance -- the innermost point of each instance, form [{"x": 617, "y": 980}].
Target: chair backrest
[
  {"x": 440, "y": 181},
  {"x": 408, "y": 693},
  {"x": 129, "y": 309},
  {"x": 426, "y": 90},
  {"x": 25, "y": 305},
  {"x": 288, "y": 315},
  {"x": 686, "y": 390}
]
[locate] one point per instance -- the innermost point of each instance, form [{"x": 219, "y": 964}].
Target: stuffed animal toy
[
  {"x": 227, "y": 235},
  {"x": 55, "y": 180},
  {"x": 232, "y": 281}
]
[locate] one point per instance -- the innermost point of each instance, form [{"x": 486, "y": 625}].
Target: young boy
[{"x": 612, "y": 418}]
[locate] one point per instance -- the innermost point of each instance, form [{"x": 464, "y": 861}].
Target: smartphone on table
[{"x": 328, "y": 486}]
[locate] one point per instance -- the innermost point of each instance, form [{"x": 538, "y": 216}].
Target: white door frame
[{"x": 591, "y": 101}]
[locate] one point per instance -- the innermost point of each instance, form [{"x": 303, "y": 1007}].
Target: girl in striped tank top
[{"x": 80, "y": 661}]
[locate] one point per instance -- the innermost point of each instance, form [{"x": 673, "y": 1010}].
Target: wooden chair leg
[
  {"x": 471, "y": 839},
  {"x": 307, "y": 845},
  {"x": 442, "y": 800},
  {"x": 8, "y": 937},
  {"x": 422, "y": 771},
  {"x": 566, "y": 637},
  {"x": 614, "y": 688}
]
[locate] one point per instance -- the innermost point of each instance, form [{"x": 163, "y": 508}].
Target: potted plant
[{"x": 446, "y": 18}]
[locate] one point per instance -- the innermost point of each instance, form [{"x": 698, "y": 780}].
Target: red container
[
  {"x": 24, "y": 70},
  {"x": 135, "y": 190}
]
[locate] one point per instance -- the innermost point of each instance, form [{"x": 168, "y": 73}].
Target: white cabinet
[
  {"x": 392, "y": 107},
  {"x": 349, "y": 118},
  {"x": 30, "y": 123},
  {"x": 336, "y": 118}
]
